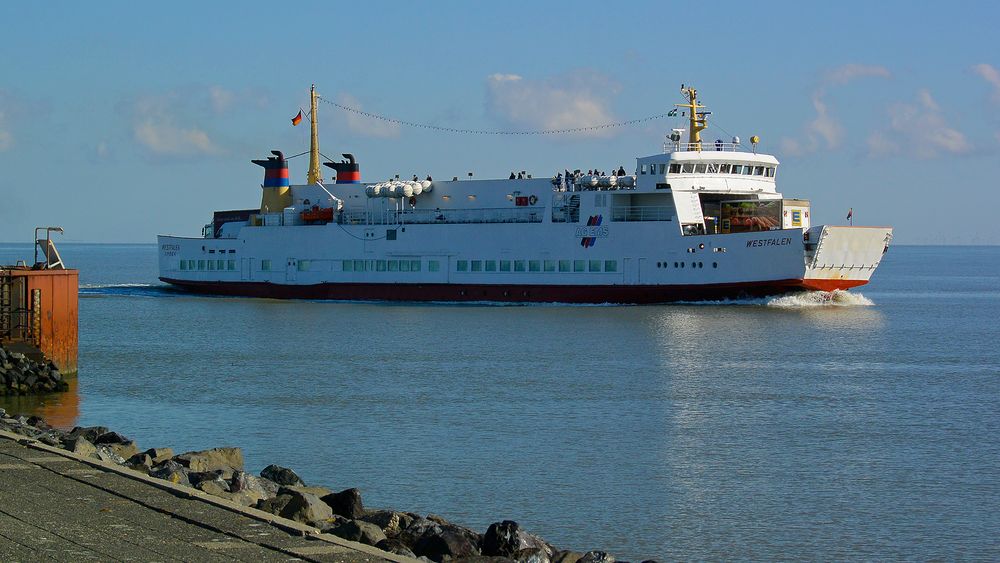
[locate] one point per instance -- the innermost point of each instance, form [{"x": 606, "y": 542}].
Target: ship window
[
  {"x": 220, "y": 264},
  {"x": 579, "y": 265},
  {"x": 184, "y": 264},
  {"x": 211, "y": 265},
  {"x": 414, "y": 265},
  {"x": 393, "y": 265},
  {"x": 687, "y": 168},
  {"x": 724, "y": 168},
  {"x": 233, "y": 250},
  {"x": 390, "y": 234},
  {"x": 770, "y": 172},
  {"x": 642, "y": 169},
  {"x": 663, "y": 168},
  {"x": 380, "y": 266},
  {"x": 737, "y": 169},
  {"x": 505, "y": 265},
  {"x": 265, "y": 266},
  {"x": 404, "y": 265},
  {"x": 682, "y": 264},
  {"x": 232, "y": 264},
  {"x": 715, "y": 264},
  {"x": 747, "y": 170},
  {"x": 550, "y": 265},
  {"x": 491, "y": 265},
  {"x": 713, "y": 168},
  {"x": 477, "y": 265},
  {"x": 595, "y": 266},
  {"x": 675, "y": 168},
  {"x": 433, "y": 266},
  {"x": 359, "y": 265},
  {"x": 700, "y": 168},
  {"x": 518, "y": 265},
  {"x": 462, "y": 266},
  {"x": 534, "y": 266},
  {"x": 211, "y": 251},
  {"x": 612, "y": 265},
  {"x": 564, "y": 265},
  {"x": 303, "y": 265},
  {"x": 758, "y": 171}
]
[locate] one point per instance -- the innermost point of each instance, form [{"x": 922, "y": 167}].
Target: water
[{"x": 860, "y": 426}]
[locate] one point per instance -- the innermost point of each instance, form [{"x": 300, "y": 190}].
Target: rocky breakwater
[
  {"x": 279, "y": 490},
  {"x": 19, "y": 375}
]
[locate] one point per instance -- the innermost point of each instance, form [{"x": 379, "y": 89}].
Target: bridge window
[
  {"x": 713, "y": 168},
  {"x": 737, "y": 169},
  {"x": 700, "y": 168},
  {"x": 770, "y": 172},
  {"x": 747, "y": 170},
  {"x": 687, "y": 168},
  {"x": 724, "y": 168},
  {"x": 758, "y": 171},
  {"x": 675, "y": 168}
]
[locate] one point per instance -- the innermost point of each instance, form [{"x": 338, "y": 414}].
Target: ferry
[{"x": 697, "y": 220}]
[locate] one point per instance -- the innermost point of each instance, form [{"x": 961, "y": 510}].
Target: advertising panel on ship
[{"x": 750, "y": 216}]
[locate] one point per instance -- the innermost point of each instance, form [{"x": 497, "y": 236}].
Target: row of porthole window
[
  {"x": 366, "y": 265},
  {"x": 208, "y": 265},
  {"x": 681, "y": 264},
  {"x": 536, "y": 265}
]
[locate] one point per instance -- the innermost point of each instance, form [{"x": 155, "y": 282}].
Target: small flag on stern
[
  {"x": 297, "y": 119},
  {"x": 850, "y": 213}
]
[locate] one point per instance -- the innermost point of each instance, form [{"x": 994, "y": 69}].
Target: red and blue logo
[{"x": 593, "y": 221}]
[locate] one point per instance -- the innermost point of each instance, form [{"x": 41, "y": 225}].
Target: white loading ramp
[{"x": 846, "y": 253}]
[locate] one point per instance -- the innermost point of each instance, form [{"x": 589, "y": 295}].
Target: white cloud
[
  {"x": 220, "y": 98},
  {"x": 991, "y": 75},
  {"x": 846, "y": 73},
  {"x": 564, "y": 102},
  {"x": 157, "y": 126},
  {"x": 920, "y": 129},
  {"x": 367, "y": 126},
  {"x": 825, "y": 131}
]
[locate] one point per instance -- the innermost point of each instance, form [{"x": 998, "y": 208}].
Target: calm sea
[{"x": 866, "y": 428}]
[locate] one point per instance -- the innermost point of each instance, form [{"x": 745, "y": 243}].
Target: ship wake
[{"x": 811, "y": 299}]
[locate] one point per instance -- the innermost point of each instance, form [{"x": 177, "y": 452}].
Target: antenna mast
[
  {"x": 698, "y": 120},
  {"x": 314, "y": 175}
]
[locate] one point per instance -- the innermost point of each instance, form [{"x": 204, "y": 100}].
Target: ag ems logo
[{"x": 592, "y": 231}]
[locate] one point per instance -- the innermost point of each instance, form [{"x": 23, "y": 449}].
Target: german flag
[{"x": 297, "y": 119}]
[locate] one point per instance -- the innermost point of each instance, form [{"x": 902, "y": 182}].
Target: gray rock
[
  {"x": 304, "y": 507},
  {"x": 171, "y": 471},
  {"x": 395, "y": 547},
  {"x": 566, "y": 556},
  {"x": 532, "y": 555},
  {"x": 417, "y": 529},
  {"x": 159, "y": 455},
  {"x": 597, "y": 557},
  {"x": 122, "y": 450},
  {"x": 105, "y": 453},
  {"x": 507, "y": 539},
  {"x": 245, "y": 482},
  {"x": 346, "y": 503},
  {"x": 318, "y": 491},
  {"x": 282, "y": 476},
  {"x": 390, "y": 521},
  {"x": 449, "y": 543},
  {"x": 91, "y": 433},
  {"x": 140, "y": 462},
  {"x": 483, "y": 559},
  {"x": 80, "y": 445},
  {"x": 359, "y": 531},
  {"x": 213, "y": 459},
  {"x": 216, "y": 487},
  {"x": 111, "y": 438},
  {"x": 274, "y": 505},
  {"x": 196, "y": 477}
]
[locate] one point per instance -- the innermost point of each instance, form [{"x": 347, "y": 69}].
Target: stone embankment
[
  {"x": 19, "y": 375},
  {"x": 281, "y": 491}
]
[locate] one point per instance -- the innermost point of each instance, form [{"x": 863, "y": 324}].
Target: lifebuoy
[{"x": 532, "y": 200}]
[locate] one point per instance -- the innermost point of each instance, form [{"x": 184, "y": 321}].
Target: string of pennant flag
[{"x": 298, "y": 119}]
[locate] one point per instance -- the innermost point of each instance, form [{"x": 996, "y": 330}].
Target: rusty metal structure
[{"x": 39, "y": 305}]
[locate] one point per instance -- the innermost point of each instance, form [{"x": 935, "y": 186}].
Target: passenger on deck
[
  {"x": 512, "y": 176},
  {"x": 415, "y": 178},
  {"x": 520, "y": 176},
  {"x": 621, "y": 171},
  {"x": 429, "y": 179}
]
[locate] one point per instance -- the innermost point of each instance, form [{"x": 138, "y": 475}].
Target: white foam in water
[{"x": 806, "y": 299}]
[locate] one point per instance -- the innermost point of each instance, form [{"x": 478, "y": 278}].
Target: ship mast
[
  {"x": 314, "y": 175},
  {"x": 698, "y": 121}
]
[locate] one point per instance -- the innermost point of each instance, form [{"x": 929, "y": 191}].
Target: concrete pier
[{"x": 61, "y": 506}]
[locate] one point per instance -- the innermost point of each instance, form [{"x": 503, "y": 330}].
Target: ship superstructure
[{"x": 699, "y": 220}]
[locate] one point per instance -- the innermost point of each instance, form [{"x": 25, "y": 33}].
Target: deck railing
[{"x": 642, "y": 213}]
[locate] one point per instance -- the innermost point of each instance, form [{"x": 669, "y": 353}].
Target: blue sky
[{"x": 121, "y": 121}]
